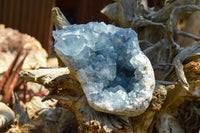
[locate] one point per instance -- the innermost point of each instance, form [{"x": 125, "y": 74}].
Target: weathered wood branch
[
  {"x": 181, "y": 75},
  {"x": 59, "y": 18},
  {"x": 20, "y": 115},
  {"x": 186, "y": 55},
  {"x": 71, "y": 97},
  {"x": 6, "y": 116},
  {"x": 57, "y": 78},
  {"x": 187, "y": 35},
  {"x": 163, "y": 14}
]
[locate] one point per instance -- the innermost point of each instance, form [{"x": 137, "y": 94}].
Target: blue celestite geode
[{"x": 115, "y": 75}]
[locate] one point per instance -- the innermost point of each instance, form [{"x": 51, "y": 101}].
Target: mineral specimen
[{"x": 115, "y": 75}]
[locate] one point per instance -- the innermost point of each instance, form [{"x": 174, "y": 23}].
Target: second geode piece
[{"x": 115, "y": 75}]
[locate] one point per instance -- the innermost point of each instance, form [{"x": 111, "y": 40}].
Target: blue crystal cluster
[{"x": 115, "y": 75}]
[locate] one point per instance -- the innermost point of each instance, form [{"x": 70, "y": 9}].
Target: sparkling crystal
[{"x": 115, "y": 75}]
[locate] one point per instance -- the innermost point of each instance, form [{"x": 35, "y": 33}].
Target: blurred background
[{"x": 33, "y": 17}]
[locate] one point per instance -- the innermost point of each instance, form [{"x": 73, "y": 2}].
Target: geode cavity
[{"x": 115, "y": 75}]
